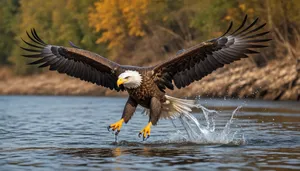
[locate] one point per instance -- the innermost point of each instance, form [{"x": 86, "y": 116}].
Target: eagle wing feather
[
  {"x": 198, "y": 61},
  {"x": 74, "y": 62}
]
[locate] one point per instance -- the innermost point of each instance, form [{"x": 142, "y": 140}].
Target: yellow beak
[{"x": 121, "y": 81}]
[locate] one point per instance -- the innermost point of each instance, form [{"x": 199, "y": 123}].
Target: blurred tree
[
  {"x": 56, "y": 22},
  {"x": 144, "y": 30},
  {"x": 8, "y": 11},
  {"x": 119, "y": 21}
]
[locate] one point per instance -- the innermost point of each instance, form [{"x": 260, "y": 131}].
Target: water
[
  {"x": 56, "y": 133},
  {"x": 196, "y": 132}
]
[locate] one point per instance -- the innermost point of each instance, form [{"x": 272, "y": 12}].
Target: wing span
[
  {"x": 74, "y": 62},
  {"x": 196, "y": 62}
]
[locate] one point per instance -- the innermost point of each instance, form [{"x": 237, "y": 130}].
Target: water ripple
[{"x": 55, "y": 133}]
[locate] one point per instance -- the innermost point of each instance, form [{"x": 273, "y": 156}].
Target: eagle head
[{"x": 130, "y": 79}]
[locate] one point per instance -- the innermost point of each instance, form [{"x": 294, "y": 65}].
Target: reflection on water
[{"x": 56, "y": 133}]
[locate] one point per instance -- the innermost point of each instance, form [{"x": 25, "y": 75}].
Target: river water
[{"x": 70, "y": 133}]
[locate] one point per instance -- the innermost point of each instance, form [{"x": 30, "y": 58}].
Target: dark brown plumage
[
  {"x": 198, "y": 61},
  {"x": 186, "y": 67}
]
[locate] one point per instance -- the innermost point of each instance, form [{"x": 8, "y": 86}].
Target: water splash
[{"x": 207, "y": 133}]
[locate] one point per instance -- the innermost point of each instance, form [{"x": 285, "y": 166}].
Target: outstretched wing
[
  {"x": 196, "y": 62},
  {"x": 74, "y": 62}
]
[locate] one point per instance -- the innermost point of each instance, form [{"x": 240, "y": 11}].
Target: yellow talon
[
  {"x": 146, "y": 131},
  {"x": 116, "y": 126}
]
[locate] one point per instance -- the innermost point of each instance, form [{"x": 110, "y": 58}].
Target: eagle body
[
  {"x": 143, "y": 95},
  {"x": 146, "y": 91},
  {"x": 146, "y": 85}
]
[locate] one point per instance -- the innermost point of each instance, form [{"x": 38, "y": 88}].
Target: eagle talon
[
  {"x": 117, "y": 132},
  {"x": 146, "y": 131},
  {"x": 144, "y": 139},
  {"x": 116, "y": 126}
]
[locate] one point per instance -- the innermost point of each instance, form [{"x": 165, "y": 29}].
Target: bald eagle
[{"x": 146, "y": 85}]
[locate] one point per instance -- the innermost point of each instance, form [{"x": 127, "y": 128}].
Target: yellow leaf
[
  {"x": 242, "y": 7},
  {"x": 228, "y": 17}
]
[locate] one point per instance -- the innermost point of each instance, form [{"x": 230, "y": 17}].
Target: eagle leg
[
  {"x": 155, "y": 109},
  {"x": 116, "y": 126},
  {"x": 128, "y": 111},
  {"x": 146, "y": 131}
]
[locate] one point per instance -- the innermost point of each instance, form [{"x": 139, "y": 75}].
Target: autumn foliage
[
  {"x": 119, "y": 20},
  {"x": 139, "y": 32}
]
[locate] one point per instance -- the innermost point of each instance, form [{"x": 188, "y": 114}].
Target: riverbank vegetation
[{"x": 144, "y": 32}]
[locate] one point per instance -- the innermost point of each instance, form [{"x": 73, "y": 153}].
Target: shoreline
[{"x": 237, "y": 81}]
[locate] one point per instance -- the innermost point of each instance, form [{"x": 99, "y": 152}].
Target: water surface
[{"x": 56, "y": 133}]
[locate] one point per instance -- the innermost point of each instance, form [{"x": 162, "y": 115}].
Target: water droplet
[{"x": 207, "y": 133}]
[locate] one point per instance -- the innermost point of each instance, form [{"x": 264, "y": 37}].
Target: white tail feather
[{"x": 175, "y": 107}]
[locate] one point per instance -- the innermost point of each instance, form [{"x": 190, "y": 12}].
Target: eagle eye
[{"x": 126, "y": 77}]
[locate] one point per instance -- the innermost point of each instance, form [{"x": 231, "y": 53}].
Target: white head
[{"x": 130, "y": 79}]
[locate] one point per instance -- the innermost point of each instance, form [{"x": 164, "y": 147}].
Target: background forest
[{"x": 144, "y": 32}]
